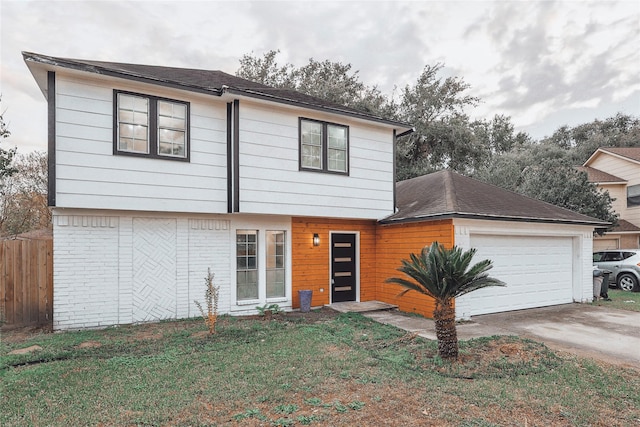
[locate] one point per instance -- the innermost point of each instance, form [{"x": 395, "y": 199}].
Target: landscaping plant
[
  {"x": 444, "y": 274},
  {"x": 211, "y": 295}
]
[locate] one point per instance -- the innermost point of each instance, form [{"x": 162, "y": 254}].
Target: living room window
[
  {"x": 150, "y": 126},
  {"x": 276, "y": 272},
  {"x": 247, "y": 264},
  {"x": 324, "y": 147}
]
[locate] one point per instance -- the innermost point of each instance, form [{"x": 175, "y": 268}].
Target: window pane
[
  {"x": 275, "y": 263},
  {"x": 133, "y": 123},
  {"x": 246, "y": 264},
  {"x": 337, "y": 137},
  {"x": 633, "y": 195},
  {"x": 311, "y": 133},
  {"x": 337, "y": 160},
  {"x": 172, "y": 126},
  {"x": 311, "y": 157}
]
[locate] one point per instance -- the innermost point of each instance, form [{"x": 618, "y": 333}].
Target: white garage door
[{"x": 537, "y": 271}]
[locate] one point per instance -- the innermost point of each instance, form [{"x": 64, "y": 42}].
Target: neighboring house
[
  {"x": 541, "y": 251},
  {"x": 157, "y": 174},
  {"x": 617, "y": 170}
]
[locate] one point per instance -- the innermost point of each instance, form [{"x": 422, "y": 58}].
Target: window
[
  {"x": 247, "y": 264},
  {"x": 324, "y": 147},
  {"x": 633, "y": 196},
  {"x": 150, "y": 126},
  {"x": 275, "y": 264}
]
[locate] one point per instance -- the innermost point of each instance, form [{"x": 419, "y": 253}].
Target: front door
[{"x": 343, "y": 267}]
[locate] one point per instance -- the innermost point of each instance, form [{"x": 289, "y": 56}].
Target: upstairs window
[
  {"x": 324, "y": 147},
  {"x": 633, "y": 196},
  {"x": 150, "y": 126}
]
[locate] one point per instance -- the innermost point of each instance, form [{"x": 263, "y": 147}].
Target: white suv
[{"x": 624, "y": 265}]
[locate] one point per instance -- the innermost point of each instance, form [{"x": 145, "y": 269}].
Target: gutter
[
  {"x": 97, "y": 69},
  {"x": 448, "y": 215}
]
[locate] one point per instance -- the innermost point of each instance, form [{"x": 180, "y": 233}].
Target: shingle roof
[
  {"x": 596, "y": 175},
  {"x": 632, "y": 153},
  {"x": 446, "y": 194},
  {"x": 624, "y": 226},
  {"x": 213, "y": 82}
]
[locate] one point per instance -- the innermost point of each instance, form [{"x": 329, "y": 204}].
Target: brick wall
[{"x": 113, "y": 270}]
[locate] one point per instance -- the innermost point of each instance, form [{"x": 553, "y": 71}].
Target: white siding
[
  {"x": 271, "y": 182},
  {"x": 624, "y": 169},
  {"x": 90, "y": 176}
]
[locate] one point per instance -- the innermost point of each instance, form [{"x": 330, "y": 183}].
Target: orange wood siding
[
  {"x": 310, "y": 264},
  {"x": 396, "y": 242}
]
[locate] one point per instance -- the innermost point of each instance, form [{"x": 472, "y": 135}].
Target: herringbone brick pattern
[{"x": 154, "y": 269}]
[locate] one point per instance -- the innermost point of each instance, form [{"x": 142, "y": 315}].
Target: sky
[{"x": 543, "y": 63}]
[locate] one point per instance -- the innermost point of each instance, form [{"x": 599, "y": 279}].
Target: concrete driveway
[
  {"x": 602, "y": 333},
  {"x": 594, "y": 331}
]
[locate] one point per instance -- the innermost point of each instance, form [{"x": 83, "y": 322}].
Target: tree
[
  {"x": 547, "y": 171},
  {"x": 6, "y": 156},
  {"x": 23, "y": 196},
  {"x": 445, "y": 274},
  {"x": 331, "y": 81},
  {"x": 580, "y": 142}
]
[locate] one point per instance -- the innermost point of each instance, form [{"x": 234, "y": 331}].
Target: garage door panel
[{"x": 537, "y": 271}]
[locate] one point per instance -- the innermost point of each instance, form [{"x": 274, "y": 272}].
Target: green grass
[
  {"x": 345, "y": 370},
  {"x": 622, "y": 300}
]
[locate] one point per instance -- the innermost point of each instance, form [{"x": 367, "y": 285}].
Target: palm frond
[{"x": 443, "y": 273}]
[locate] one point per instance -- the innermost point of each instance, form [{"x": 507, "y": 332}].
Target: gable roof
[
  {"x": 446, "y": 194},
  {"x": 600, "y": 177},
  {"x": 624, "y": 226},
  {"x": 212, "y": 82},
  {"x": 631, "y": 154}
]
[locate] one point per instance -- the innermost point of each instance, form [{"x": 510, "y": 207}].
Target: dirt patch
[{"x": 17, "y": 335}]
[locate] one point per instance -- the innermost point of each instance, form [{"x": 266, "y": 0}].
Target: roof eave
[
  {"x": 96, "y": 69},
  {"x": 447, "y": 215},
  {"x": 407, "y": 128}
]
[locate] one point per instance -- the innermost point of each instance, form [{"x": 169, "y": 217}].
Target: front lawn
[
  {"x": 317, "y": 369},
  {"x": 622, "y": 300}
]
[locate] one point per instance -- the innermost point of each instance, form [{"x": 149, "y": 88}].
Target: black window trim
[
  {"x": 325, "y": 148},
  {"x": 153, "y": 127}
]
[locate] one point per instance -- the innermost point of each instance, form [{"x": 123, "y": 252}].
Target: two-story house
[
  {"x": 158, "y": 174},
  {"x": 617, "y": 170}
]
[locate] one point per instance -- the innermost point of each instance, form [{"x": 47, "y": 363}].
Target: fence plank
[
  {"x": 3, "y": 275},
  {"x": 26, "y": 282},
  {"x": 9, "y": 284}
]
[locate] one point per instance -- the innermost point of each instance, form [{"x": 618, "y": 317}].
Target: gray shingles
[
  {"x": 446, "y": 194},
  {"x": 208, "y": 81}
]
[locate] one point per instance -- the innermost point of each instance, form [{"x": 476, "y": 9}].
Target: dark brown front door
[{"x": 343, "y": 267}]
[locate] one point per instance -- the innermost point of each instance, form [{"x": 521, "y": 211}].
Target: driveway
[{"x": 601, "y": 333}]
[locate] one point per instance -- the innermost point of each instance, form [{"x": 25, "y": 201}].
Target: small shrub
[
  {"x": 211, "y": 295},
  {"x": 272, "y": 308}
]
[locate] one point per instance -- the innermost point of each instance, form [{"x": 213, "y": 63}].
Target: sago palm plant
[{"x": 445, "y": 274}]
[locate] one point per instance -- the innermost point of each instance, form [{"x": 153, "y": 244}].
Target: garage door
[
  {"x": 604, "y": 244},
  {"x": 537, "y": 271}
]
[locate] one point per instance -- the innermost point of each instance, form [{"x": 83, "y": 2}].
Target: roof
[
  {"x": 628, "y": 153},
  {"x": 446, "y": 194},
  {"x": 624, "y": 226},
  {"x": 213, "y": 82},
  {"x": 596, "y": 175}
]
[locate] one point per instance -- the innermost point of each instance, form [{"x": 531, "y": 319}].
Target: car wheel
[{"x": 628, "y": 282}]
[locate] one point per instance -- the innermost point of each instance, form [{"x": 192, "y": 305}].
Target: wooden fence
[{"x": 26, "y": 283}]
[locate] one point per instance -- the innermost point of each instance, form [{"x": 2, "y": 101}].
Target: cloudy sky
[{"x": 544, "y": 63}]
